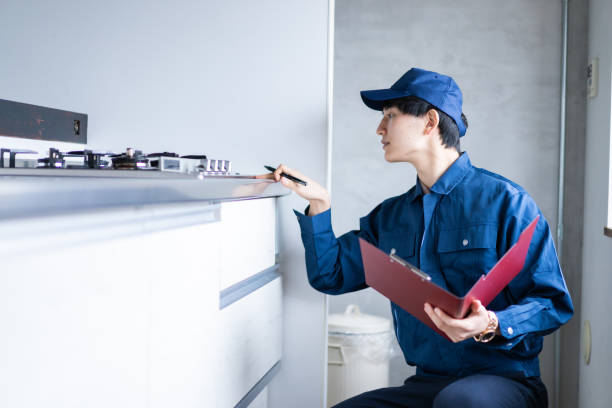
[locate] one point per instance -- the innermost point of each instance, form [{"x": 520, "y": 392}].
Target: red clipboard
[{"x": 410, "y": 288}]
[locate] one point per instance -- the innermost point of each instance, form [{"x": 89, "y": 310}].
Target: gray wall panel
[
  {"x": 573, "y": 213},
  {"x": 595, "y": 390}
]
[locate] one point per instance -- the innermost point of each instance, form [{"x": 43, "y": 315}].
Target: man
[{"x": 455, "y": 224}]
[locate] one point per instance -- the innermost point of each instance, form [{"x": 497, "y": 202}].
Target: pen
[{"x": 289, "y": 176}]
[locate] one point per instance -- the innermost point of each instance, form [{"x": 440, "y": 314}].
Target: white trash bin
[{"x": 359, "y": 350}]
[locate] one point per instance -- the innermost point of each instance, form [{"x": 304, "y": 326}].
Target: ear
[{"x": 432, "y": 120}]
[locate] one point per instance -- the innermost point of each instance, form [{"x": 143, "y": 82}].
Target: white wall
[
  {"x": 505, "y": 56},
  {"x": 238, "y": 80},
  {"x": 235, "y": 79},
  {"x": 595, "y": 388}
]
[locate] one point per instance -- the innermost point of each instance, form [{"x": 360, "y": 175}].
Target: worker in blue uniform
[{"x": 454, "y": 224}]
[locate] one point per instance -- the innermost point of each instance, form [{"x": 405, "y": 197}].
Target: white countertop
[{"x": 36, "y": 192}]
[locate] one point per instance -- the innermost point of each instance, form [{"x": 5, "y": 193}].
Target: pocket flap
[{"x": 477, "y": 236}]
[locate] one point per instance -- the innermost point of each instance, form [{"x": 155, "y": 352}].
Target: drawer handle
[{"x": 244, "y": 288}]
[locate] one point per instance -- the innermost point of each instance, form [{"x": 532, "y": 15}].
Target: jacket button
[
  {"x": 465, "y": 242},
  {"x": 510, "y": 331}
]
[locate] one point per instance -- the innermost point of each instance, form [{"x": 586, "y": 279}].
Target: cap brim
[{"x": 376, "y": 98}]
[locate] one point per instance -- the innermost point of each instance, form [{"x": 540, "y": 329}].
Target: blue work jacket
[{"x": 455, "y": 233}]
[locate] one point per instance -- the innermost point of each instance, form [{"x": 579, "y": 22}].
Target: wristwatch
[{"x": 489, "y": 332}]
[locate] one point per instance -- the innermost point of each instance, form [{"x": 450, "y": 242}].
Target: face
[{"x": 402, "y": 135}]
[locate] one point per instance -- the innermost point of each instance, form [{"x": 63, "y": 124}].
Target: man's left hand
[{"x": 460, "y": 329}]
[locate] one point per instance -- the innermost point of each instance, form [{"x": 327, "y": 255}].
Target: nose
[{"x": 382, "y": 128}]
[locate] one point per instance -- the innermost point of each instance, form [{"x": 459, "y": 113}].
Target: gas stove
[{"x": 130, "y": 160}]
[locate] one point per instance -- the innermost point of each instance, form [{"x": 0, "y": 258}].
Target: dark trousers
[{"x": 480, "y": 390}]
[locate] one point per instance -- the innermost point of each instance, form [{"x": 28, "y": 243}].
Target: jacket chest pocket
[
  {"x": 402, "y": 242},
  {"x": 466, "y": 253}
]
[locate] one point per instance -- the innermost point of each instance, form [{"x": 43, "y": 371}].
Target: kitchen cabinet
[{"x": 157, "y": 305}]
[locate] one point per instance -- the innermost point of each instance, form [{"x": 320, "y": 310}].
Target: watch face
[{"x": 487, "y": 336}]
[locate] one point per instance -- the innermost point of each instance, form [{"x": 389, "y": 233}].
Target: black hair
[{"x": 449, "y": 132}]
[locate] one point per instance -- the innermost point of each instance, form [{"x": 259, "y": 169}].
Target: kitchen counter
[
  {"x": 27, "y": 192},
  {"x": 163, "y": 287}
]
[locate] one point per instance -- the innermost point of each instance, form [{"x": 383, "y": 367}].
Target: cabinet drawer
[
  {"x": 248, "y": 239},
  {"x": 250, "y": 341}
]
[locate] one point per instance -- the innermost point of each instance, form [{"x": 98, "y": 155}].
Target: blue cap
[{"x": 439, "y": 90}]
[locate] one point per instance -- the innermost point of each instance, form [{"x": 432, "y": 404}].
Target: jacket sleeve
[
  {"x": 334, "y": 265},
  {"x": 541, "y": 300}
]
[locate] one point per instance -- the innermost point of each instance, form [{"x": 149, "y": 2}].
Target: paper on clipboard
[{"x": 410, "y": 288}]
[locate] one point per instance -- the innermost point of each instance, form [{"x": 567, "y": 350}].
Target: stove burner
[
  {"x": 55, "y": 160},
  {"x": 164, "y": 154},
  {"x": 12, "y": 155},
  {"x": 91, "y": 159},
  {"x": 131, "y": 159},
  {"x": 166, "y": 162}
]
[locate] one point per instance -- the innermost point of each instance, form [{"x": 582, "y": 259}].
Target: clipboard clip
[{"x": 395, "y": 258}]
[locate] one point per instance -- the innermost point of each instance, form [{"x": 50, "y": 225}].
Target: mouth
[{"x": 385, "y": 144}]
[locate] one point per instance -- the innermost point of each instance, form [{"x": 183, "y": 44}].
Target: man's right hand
[{"x": 316, "y": 194}]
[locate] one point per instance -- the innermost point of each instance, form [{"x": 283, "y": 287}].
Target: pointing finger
[{"x": 269, "y": 176}]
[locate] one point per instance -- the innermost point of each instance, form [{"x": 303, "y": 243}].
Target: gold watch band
[{"x": 489, "y": 332}]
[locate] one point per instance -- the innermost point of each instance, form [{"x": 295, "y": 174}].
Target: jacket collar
[{"x": 447, "y": 182}]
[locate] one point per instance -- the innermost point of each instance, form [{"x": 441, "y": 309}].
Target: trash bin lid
[{"x": 352, "y": 321}]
